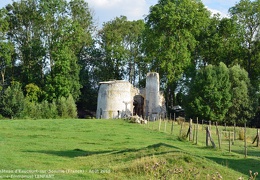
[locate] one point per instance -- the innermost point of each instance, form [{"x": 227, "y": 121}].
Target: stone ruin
[{"x": 120, "y": 99}]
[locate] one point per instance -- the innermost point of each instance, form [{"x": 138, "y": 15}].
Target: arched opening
[{"x": 138, "y": 105}]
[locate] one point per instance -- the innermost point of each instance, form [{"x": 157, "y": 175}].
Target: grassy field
[{"x": 115, "y": 149}]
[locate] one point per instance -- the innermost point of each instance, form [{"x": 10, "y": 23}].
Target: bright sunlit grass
[{"x": 115, "y": 149}]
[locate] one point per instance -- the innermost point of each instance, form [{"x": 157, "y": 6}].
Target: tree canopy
[
  {"x": 209, "y": 95},
  {"x": 48, "y": 38},
  {"x": 55, "y": 53},
  {"x": 172, "y": 28}
]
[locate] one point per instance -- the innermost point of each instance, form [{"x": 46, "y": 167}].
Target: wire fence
[{"x": 229, "y": 138}]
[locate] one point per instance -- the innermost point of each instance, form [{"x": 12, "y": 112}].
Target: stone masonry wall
[{"x": 115, "y": 99}]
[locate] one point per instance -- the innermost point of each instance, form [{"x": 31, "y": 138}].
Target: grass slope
[{"x": 112, "y": 149}]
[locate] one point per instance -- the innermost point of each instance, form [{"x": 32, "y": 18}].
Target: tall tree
[
  {"x": 172, "y": 27},
  {"x": 209, "y": 94},
  {"x": 89, "y": 78},
  {"x": 247, "y": 14},
  {"x": 132, "y": 45},
  {"x": 25, "y": 22},
  {"x": 220, "y": 42},
  {"x": 171, "y": 35},
  {"x": 242, "y": 108},
  {"x": 120, "y": 41},
  {"x": 6, "y": 47},
  {"x": 49, "y": 36}
]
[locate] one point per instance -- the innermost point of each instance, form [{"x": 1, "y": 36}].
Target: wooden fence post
[
  {"x": 197, "y": 130},
  {"x": 229, "y": 144},
  {"x": 153, "y": 124},
  {"x": 208, "y": 137},
  {"x": 234, "y": 131},
  {"x": 160, "y": 124},
  {"x": 218, "y": 134},
  {"x": 257, "y": 138},
  {"x": 181, "y": 129},
  {"x": 172, "y": 123},
  {"x": 190, "y": 130},
  {"x": 172, "y": 127},
  {"x": 165, "y": 125},
  {"x": 245, "y": 141},
  {"x": 194, "y": 133}
]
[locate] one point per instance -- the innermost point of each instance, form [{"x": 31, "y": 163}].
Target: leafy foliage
[
  {"x": 64, "y": 77},
  {"x": 49, "y": 37},
  {"x": 209, "y": 96},
  {"x": 120, "y": 41},
  {"x": 242, "y": 104},
  {"x": 43, "y": 110},
  {"x": 53, "y": 49},
  {"x": 172, "y": 32},
  {"x": 6, "y": 47},
  {"x": 247, "y": 15},
  {"x": 220, "y": 42},
  {"x": 66, "y": 107},
  {"x": 170, "y": 37},
  {"x": 221, "y": 94},
  {"x": 33, "y": 92},
  {"x": 12, "y": 101}
]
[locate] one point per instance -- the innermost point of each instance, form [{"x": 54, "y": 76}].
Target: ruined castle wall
[
  {"x": 163, "y": 105},
  {"x": 115, "y": 99},
  {"x": 152, "y": 95}
]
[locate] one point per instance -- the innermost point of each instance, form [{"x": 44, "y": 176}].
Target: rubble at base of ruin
[{"x": 120, "y": 99}]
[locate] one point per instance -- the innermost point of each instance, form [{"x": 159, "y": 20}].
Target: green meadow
[{"x": 116, "y": 149}]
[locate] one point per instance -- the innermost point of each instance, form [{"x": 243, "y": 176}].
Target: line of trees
[
  {"x": 53, "y": 50},
  {"x": 221, "y": 94}
]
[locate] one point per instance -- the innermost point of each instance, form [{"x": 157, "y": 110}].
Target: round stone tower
[{"x": 115, "y": 99}]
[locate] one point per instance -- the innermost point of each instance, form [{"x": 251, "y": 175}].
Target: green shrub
[
  {"x": 62, "y": 108},
  {"x": 48, "y": 110},
  {"x": 1, "y": 117},
  {"x": 30, "y": 110},
  {"x": 67, "y": 107},
  {"x": 12, "y": 101},
  {"x": 43, "y": 110},
  {"x": 72, "y": 108},
  {"x": 53, "y": 111},
  {"x": 33, "y": 92}
]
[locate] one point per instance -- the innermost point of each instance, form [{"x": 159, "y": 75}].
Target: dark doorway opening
[{"x": 138, "y": 105}]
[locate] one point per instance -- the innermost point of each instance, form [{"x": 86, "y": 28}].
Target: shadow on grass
[
  {"x": 79, "y": 152},
  {"x": 156, "y": 147},
  {"x": 71, "y": 153},
  {"x": 252, "y": 152},
  {"x": 239, "y": 164}
]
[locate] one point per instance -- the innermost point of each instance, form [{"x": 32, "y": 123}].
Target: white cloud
[
  {"x": 215, "y": 11},
  {"x": 109, "y": 9},
  {"x": 104, "y": 3},
  {"x": 5, "y": 2},
  {"x": 220, "y": 6}
]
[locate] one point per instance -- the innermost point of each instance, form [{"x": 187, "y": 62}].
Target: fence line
[{"x": 191, "y": 132}]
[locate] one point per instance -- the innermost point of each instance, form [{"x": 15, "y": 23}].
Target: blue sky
[{"x": 106, "y": 10}]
